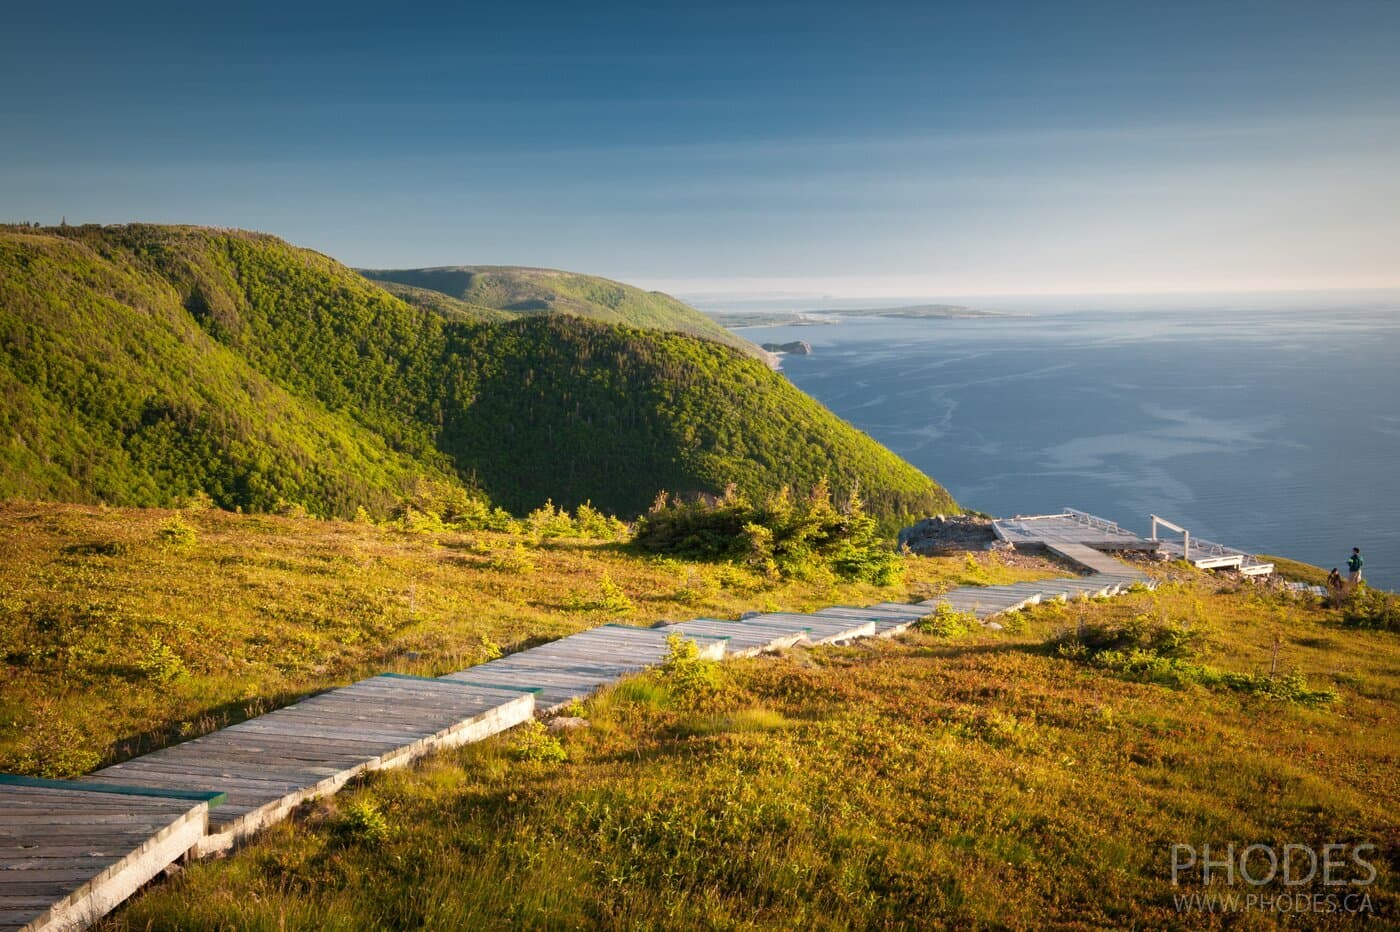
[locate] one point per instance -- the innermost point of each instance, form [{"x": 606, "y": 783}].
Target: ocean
[{"x": 1273, "y": 430}]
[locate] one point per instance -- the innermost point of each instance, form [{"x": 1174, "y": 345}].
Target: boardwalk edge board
[
  {"x": 212, "y": 799},
  {"x": 499, "y": 718}
]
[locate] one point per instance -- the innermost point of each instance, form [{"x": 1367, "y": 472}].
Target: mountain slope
[
  {"x": 686, "y": 413},
  {"x": 144, "y": 364},
  {"x": 548, "y": 291},
  {"x": 111, "y": 390}
]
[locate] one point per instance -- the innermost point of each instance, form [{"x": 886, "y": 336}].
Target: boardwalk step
[
  {"x": 575, "y": 666},
  {"x": 270, "y": 764},
  {"x": 69, "y": 853}
]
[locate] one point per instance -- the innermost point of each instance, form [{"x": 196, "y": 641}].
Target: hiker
[
  {"x": 1354, "y": 566},
  {"x": 1334, "y": 581}
]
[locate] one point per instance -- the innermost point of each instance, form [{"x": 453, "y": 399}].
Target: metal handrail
[{"x": 1083, "y": 517}]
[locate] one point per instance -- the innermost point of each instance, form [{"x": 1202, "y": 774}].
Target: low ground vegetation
[
  {"x": 955, "y": 776},
  {"x": 982, "y": 779},
  {"x": 122, "y": 630}
]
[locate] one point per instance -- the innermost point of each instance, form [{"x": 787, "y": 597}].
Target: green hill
[
  {"x": 132, "y": 371},
  {"x": 444, "y": 305},
  {"x": 144, "y": 365},
  {"x": 549, "y": 291},
  {"x": 687, "y": 414}
]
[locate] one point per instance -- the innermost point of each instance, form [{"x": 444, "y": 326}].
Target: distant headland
[{"x": 782, "y": 318}]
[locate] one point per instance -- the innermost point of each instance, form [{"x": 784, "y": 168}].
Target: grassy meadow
[
  {"x": 952, "y": 777},
  {"x": 125, "y": 629}
]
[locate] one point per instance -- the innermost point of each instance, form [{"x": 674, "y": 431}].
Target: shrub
[
  {"x": 1163, "y": 653},
  {"x": 610, "y": 598},
  {"x": 591, "y": 523},
  {"x": 533, "y": 742},
  {"x": 548, "y": 521},
  {"x": 159, "y": 664},
  {"x": 806, "y": 539},
  {"x": 175, "y": 531},
  {"x": 363, "y": 823},
  {"x": 438, "y": 505},
  {"x": 690, "y": 678},
  {"x": 513, "y": 558},
  {"x": 947, "y": 622},
  {"x": 695, "y": 588},
  {"x": 1372, "y": 608},
  {"x": 420, "y": 522}
]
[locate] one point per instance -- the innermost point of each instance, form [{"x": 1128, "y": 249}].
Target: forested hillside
[
  {"x": 131, "y": 371},
  {"x": 571, "y": 408},
  {"x": 445, "y": 305},
  {"x": 146, "y": 365}
]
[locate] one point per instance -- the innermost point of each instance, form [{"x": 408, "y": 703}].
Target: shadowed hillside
[{"x": 688, "y": 414}]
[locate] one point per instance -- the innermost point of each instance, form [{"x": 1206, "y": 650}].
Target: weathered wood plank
[{"x": 44, "y": 882}]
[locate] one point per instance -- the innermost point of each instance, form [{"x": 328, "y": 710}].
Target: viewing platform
[{"x": 1078, "y": 529}]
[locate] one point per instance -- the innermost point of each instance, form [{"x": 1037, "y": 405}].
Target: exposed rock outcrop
[{"x": 943, "y": 534}]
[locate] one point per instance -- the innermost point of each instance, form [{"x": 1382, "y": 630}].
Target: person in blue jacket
[{"x": 1354, "y": 566}]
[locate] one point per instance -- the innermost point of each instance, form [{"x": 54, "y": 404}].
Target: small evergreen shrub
[
  {"x": 610, "y": 598},
  {"x": 947, "y": 622},
  {"x": 513, "y": 558},
  {"x": 690, "y": 678},
  {"x": 533, "y": 742},
  {"x": 1373, "y": 609},
  {"x": 363, "y": 823},
  {"x": 548, "y": 521},
  {"x": 159, "y": 664},
  {"x": 176, "y": 532},
  {"x": 805, "y": 539}
]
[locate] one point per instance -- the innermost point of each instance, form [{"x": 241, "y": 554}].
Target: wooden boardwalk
[
  {"x": 574, "y": 667},
  {"x": 269, "y": 765},
  {"x": 1086, "y": 534},
  {"x": 69, "y": 852}
]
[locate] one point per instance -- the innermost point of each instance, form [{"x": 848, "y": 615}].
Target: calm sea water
[{"x": 1274, "y": 431}]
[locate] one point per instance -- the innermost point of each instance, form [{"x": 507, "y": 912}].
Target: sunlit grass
[
  {"x": 124, "y": 629},
  {"x": 982, "y": 780}
]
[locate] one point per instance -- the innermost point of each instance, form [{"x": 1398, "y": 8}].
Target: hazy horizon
[{"x": 740, "y": 302}]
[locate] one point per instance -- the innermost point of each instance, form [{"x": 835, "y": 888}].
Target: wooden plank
[
  {"x": 217, "y": 768},
  {"x": 11, "y": 822},
  {"x": 53, "y": 885}
]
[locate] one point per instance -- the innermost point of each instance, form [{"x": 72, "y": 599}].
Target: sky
[{"x": 732, "y": 151}]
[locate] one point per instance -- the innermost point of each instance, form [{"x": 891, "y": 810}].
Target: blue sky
[{"x": 715, "y": 149}]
